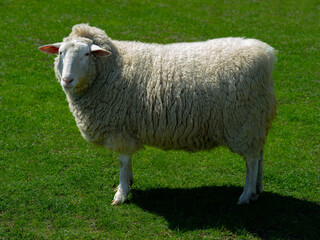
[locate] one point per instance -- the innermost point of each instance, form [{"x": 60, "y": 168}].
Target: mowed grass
[{"x": 54, "y": 185}]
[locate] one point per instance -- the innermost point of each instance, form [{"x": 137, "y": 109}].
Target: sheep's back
[
  {"x": 185, "y": 92},
  {"x": 190, "y": 96}
]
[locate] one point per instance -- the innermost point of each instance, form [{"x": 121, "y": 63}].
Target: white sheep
[{"x": 182, "y": 96}]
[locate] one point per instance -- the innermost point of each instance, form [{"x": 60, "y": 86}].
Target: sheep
[{"x": 180, "y": 96}]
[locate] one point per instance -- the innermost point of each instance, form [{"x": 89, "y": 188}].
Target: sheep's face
[{"x": 73, "y": 63}]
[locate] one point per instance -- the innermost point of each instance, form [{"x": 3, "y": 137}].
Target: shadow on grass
[{"x": 272, "y": 216}]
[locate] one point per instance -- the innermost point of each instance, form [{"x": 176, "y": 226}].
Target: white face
[{"x": 73, "y": 63}]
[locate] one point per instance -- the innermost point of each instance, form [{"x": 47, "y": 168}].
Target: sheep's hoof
[
  {"x": 115, "y": 202},
  {"x": 245, "y": 199},
  {"x": 120, "y": 196}
]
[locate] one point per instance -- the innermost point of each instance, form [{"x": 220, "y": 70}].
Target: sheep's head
[{"x": 73, "y": 65}]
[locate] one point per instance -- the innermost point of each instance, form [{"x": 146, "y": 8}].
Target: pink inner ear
[
  {"x": 101, "y": 53},
  {"x": 50, "y": 49}
]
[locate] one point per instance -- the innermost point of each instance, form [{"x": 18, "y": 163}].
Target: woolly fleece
[{"x": 182, "y": 96}]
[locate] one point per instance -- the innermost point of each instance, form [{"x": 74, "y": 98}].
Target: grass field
[{"x": 54, "y": 185}]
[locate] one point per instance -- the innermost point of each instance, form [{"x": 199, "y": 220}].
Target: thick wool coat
[{"x": 183, "y": 96}]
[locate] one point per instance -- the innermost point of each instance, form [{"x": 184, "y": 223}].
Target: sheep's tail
[{"x": 272, "y": 53}]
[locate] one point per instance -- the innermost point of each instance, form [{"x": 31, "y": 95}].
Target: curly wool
[
  {"x": 183, "y": 96},
  {"x": 96, "y": 35}
]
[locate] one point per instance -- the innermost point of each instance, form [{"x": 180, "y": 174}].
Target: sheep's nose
[{"x": 67, "y": 79}]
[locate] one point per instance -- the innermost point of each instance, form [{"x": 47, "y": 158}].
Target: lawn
[{"x": 54, "y": 185}]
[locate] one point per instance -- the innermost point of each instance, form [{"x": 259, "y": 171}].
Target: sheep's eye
[
  {"x": 60, "y": 53},
  {"x": 87, "y": 54}
]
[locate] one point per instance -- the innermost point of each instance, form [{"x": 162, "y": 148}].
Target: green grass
[{"x": 53, "y": 185}]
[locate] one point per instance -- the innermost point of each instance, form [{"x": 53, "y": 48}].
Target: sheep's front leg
[
  {"x": 126, "y": 179},
  {"x": 250, "y": 187}
]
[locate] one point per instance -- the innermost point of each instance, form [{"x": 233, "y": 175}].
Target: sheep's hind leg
[
  {"x": 130, "y": 174},
  {"x": 126, "y": 179},
  {"x": 250, "y": 187},
  {"x": 259, "y": 187}
]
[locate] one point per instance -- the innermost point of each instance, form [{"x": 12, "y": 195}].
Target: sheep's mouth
[{"x": 67, "y": 85}]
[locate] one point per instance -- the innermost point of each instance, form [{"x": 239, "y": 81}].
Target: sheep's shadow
[{"x": 272, "y": 216}]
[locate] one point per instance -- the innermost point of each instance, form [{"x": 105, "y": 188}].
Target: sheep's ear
[
  {"x": 50, "y": 48},
  {"x": 98, "y": 51}
]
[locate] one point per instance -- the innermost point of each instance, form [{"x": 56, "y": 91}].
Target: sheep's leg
[
  {"x": 130, "y": 174},
  {"x": 126, "y": 179},
  {"x": 259, "y": 187},
  {"x": 250, "y": 187}
]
